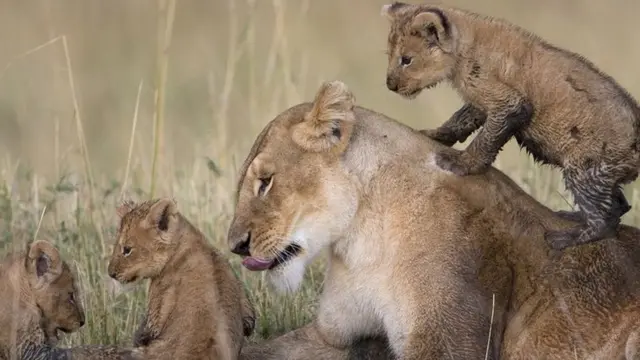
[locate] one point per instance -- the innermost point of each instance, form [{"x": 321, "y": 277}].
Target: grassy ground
[{"x": 105, "y": 100}]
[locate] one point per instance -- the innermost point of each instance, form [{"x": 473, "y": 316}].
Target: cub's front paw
[
  {"x": 459, "y": 163},
  {"x": 575, "y": 216},
  {"x": 438, "y": 136}
]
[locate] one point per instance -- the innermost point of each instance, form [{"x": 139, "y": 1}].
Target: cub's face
[
  {"x": 144, "y": 241},
  {"x": 419, "y": 48},
  {"x": 55, "y": 291},
  {"x": 293, "y": 197}
]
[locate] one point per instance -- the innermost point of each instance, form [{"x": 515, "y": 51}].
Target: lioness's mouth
[{"x": 257, "y": 264}]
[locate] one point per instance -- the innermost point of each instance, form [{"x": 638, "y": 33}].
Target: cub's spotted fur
[{"x": 558, "y": 106}]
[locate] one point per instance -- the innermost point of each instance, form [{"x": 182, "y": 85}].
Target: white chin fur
[{"x": 287, "y": 278}]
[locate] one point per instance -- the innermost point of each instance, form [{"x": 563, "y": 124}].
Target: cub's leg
[
  {"x": 143, "y": 335},
  {"x": 248, "y": 315},
  {"x": 620, "y": 203},
  {"x": 507, "y": 113},
  {"x": 459, "y": 126},
  {"x": 598, "y": 195}
]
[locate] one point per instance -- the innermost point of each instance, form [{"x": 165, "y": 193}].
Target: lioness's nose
[
  {"x": 241, "y": 246},
  {"x": 391, "y": 84}
]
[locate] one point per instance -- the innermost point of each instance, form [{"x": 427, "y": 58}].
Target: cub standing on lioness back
[
  {"x": 197, "y": 308},
  {"x": 559, "y": 107}
]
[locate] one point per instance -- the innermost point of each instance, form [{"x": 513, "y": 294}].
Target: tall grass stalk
[{"x": 166, "y": 15}]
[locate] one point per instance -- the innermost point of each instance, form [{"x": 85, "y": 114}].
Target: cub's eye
[
  {"x": 72, "y": 298},
  {"x": 126, "y": 250},
  {"x": 265, "y": 183},
  {"x": 405, "y": 60}
]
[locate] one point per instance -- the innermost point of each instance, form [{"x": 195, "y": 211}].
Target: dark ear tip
[
  {"x": 42, "y": 264},
  {"x": 336, "y": 132},
  {"x": 163, "y": 223}
]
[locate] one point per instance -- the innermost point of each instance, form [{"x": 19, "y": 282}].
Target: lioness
[
  {"x": 197, "y": 306},
  {"x": 417, "y": 253}
]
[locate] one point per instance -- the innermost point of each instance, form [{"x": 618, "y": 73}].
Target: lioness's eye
[
  {"x": 126, "y": 250},
  {"x": 264, "y": 184},
  {"x": 405, "y": 60}
]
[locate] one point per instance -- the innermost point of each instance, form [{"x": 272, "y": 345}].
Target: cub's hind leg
[
  {"x": 598, "y": 195},
  {"x": 459, "y": 126},
  {"x": 621, "y": 206}
]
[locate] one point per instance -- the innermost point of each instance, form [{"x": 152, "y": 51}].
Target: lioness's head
[
  {"x": 54, "y": 289},
  {"x": 293, "y": 196},
  {"x": 145, "y": 240},
  {"x": 420, "y": 48}
]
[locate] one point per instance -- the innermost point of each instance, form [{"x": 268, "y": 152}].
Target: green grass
[
  {"x": 60, "y": 213},
  {"x": 83, "y": 104}
]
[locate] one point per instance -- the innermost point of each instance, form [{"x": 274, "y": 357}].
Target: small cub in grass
[
  {"x": 197, "y": 307},
  {"x": 38, "y": 300}
]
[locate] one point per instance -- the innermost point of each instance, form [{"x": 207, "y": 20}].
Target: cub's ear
[
  {"x": 44, "y": 262},
  {"x": 433, "y": 26},
  {"x": 329, "y": 123},
  {"x": 125, "y": 207},
  {"x": 162, "y": 216},
  {"x": 390, "y": 10}
]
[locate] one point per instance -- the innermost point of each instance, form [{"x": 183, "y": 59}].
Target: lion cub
[
  {"x": 38, "y": 300},
  {"x": 558, "y": 106},
  {"x": 197, "y": 307}
]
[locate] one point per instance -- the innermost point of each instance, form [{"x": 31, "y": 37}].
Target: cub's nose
[
  {"x": 112, "y": 275},
  {"x": 392, "y": 84},
  {"x": 241, "y": 246}
]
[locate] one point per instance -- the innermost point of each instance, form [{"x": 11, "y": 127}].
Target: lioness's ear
[
  {"x": 44, "y": 262},
  {"x": 162, "y": 215},
  {"x": 389, "y": 11},
  {"x": 329, "y": 123},
  {"x": 433, "y": 26},
  {"x": 124, "y": 208}
]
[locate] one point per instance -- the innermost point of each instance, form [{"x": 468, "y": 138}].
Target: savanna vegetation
[{"x": 105, "y": 100}]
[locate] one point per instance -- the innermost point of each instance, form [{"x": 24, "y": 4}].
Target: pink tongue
[{"x": 254, "y": 264}]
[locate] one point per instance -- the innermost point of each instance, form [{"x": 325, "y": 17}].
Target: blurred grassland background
[{"x": 81, "y": 126}]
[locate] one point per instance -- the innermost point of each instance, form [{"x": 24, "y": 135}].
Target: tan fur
[
  {"x": 557, "y": 104},
  {"x": 39, "y": 299},
  {"x": 197, "y": 307},
  {"x": 416, "y": 253}
]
